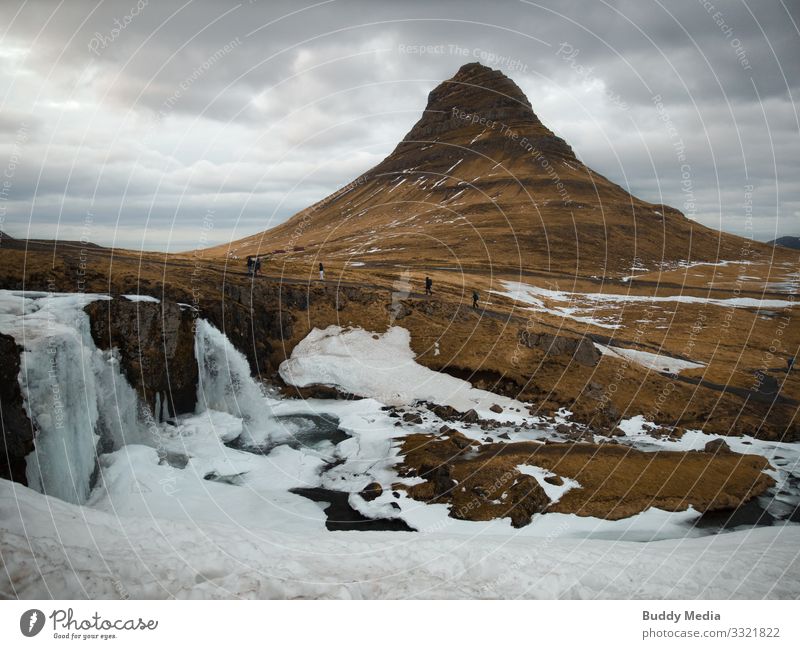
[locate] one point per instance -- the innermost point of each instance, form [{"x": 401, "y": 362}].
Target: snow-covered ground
[
  {"x": 382, "y": 366},
  {"x": 201, "y": 506},
  {"x": 53, "y": 549},
  {"x": 582, "y": 307}
]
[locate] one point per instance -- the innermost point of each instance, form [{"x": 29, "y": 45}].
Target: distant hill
[
  {"x": 786, "y": 242},
  {"x": 10, "y": 243}
]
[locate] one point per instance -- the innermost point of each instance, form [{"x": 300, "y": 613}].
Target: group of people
[
  {"x": 253, "y": 266},
  {"x": 429, "y": 291}
]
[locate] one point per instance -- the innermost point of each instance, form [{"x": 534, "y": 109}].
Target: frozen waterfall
[
  {"x": 226, "y": 384},
  {"x": 73, "y": 392}
]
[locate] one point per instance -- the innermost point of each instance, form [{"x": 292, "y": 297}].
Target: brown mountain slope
[{"x": 479, "y": 182}]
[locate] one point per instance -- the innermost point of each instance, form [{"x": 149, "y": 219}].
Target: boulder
[
  {"x": 470, "y": 417},
  {"x": 718, "y": 447},
  {"x": 581, "y": 349},
  {"x": 372, "y": 491},
  {"x": 447, "y": 413},
  {"x": 496, "y": 409},
  {"x": 412, "y": 418}
]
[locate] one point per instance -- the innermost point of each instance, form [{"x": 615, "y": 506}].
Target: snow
[
  {"x": 402, "y": 180},
  {"x": 454, "y": 166},
  {"x": 658, "y": 362},
  {"x": 587, "y": 302},
  {"x": 382, "y": 366},
  {"x": 554, "y": 492},
  {"x": 142, "y": 298},
  {"x": 528, "y": 294},
  {"x": 52, "y": 549}
]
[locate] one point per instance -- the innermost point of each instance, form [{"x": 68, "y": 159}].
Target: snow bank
[
  {"x": 54, "y": 549},
  {"x": 382, "y": 366},
  {"x": 142, "y": 298},
  {"x": 658, "y": 362}
]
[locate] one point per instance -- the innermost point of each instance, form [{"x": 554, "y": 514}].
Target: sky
[{"x": 174, "y": 125}]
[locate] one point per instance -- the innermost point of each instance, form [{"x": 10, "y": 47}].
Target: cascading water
[
  {"x": 226, "y": 385},
  {"x": 73, "y": 392}
]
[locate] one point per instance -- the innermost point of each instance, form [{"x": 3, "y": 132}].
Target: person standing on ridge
[
  {"x": 428, "y": 286},
  {"x": 257, "y": 266},
  {"x": 249, "y": 265},
  {"x": 475, "y": 298},
  {"x": 321, "y": 271}
]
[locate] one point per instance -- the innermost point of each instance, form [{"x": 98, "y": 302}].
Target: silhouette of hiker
[
  {"x": 428, "y": 286},
  {"x": 257, "y": 265},
  {"x": 475, "y": 298},
  {"x": 321, "y": 271},
  {"x": 250, "y": 264}
]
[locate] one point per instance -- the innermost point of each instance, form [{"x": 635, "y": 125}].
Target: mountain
[
  {"x": 786, "y": 242},
  {"x": 480, "y": 182}
]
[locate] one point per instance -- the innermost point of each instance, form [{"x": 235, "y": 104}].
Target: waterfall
[
  {"x": 73, "y": 392},
  {"x": 225, "y": 384}
]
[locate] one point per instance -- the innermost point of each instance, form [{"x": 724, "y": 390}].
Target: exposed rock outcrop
[
  {"x": 581, "y": 349},
  {"x": 17, "y": 428},
  {"x": 156, "y": 348}
]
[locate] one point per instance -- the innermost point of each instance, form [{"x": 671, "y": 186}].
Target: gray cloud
[{"x": 257, "y": 109}]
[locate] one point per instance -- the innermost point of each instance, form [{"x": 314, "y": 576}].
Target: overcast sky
[{"x": 166, "y": 125}]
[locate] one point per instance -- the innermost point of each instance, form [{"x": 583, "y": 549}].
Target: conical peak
[
  {"x": 474, "y": 92},
  {"x": 476, "y": 87},
  {"x": 478, "y": 108}
]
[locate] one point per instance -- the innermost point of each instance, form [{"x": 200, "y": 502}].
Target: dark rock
[
  {"x": 231, "y": 479},
  {"x": 554, "y": 480},
  {"x": 460, "y": 441},
  {"x": 528, "y": 498},
  {"x": 470, "y": 417},
  {"x": 446, "y": 413},
  {"x": 593, "y": 391},
  {"x": 616, "y": 432},
  {"x": 441, "y": 479},
  {"x": 155, "y": 342},
  {"x": 581, "y": 349},
  {"x": 372, "y": 491},
  {"x": 412, "y": 418},
  {"x": 564, "y": 429},
  {"x": 717, "y": 446},
  {"x": 496, "y": 409},
  {"x": 18, "y": 432},
  {"x": 504, "y": 436},
  {"x": 398, "y": 310}
]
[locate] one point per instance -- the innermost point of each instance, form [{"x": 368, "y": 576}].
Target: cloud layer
[{"x": 134, "y": 122}]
